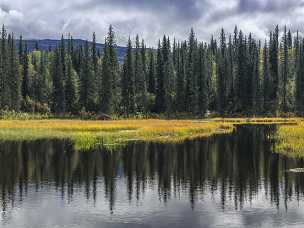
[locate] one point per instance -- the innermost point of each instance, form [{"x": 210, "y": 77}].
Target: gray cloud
[
  {"x": 149, "y": 18},
  {"x": 268, "y": 6},
  {"x": 182, "y": 9}
]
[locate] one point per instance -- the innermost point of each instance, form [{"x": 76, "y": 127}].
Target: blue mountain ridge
[{"x": 51, "y": 44}]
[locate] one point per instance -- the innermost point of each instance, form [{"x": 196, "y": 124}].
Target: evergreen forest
[{"x": 233, "y": 74}]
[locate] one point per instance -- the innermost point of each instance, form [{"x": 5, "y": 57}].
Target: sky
[{"x": 151, "y": 19}]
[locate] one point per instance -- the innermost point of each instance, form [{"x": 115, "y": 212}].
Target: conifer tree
[
  {"x": 266, "y": 78},
  {"x": 58, "y": 83},
  {"x": 299, "y": 95},
  {"x": 25, "y": 74},
  {"x": 285, "y": 70},
  {"x": 20, "y": 50},
  {"x": 14, "y": 77},
  {"x": 94, "y": 54},
  {"x": 160, "y": 104},
  {"x": 127, "y": 83},
  {"x": 44, "y": 80},
  {"x": 4, "y": 89},
  {"x": 180, "y": 80},
  {"x": 140, "y": 77},
  {"x": 144, "y": 62},
  {"x": 202, "y": 81},
  {"x": 110, "y": 79},
  {"x": 235, "y": 75},
  {"x": 274, "y": 68},
  {"x": 151, "y": 74},
  {"x": 222, "y": 73},
  {"x": 170, "y": 83},
  {"x": 242, "y": 92},
  {"x": 71, "y": 87},
  {"x": 190, "y": 93}
]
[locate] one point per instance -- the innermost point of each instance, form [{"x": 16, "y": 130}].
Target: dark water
[{"x": 225, "y": 181}]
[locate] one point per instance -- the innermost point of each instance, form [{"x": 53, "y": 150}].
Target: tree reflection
[{"x": 236, "y": 167}]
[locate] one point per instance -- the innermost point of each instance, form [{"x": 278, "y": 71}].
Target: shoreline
[{"x": 86, "y": 134}]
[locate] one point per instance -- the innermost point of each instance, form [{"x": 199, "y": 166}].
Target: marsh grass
[
  {"x": 88, "y": 134},
  {"x": 290, "y": 140}
]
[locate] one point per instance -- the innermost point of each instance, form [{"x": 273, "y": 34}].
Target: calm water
[{"x": 225, "y": 181}]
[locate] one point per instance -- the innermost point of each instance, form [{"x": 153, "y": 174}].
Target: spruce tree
[
  {"x": 151, "y": 74},
  {"x": 140, "y": 77},
  {"x": 71, "y": 87},
  {"x": 25, "y": 74},
  {"x": 14, "y": 76},
  {"x": 202, "y": 81},
  {"x": 180, "y": 80},
  {"x": 4, "y": 68},
  {"x": 170, "y": 83},
  {"x": 160, "y": 102},
  {"x": 299, "y": 95},
  {"x": 242, "y": 77},
  {"x": 285, "y": 70},
  {"x": 190, "y": 93},
  {"x": 94, "y": 54},
  {"x": 274, "y": 68},
  {"x": 58, "y": 83},
  {"x": 127, "y": 83},
  {"x": 44, "y": 80},
  {"x": 20, "y": 50},
  {"x": 109, "y": 91},
  {"x": 222, "y": 73},
  {"x": 226, "y": 76},
  {"x": 266, "y": 79}
]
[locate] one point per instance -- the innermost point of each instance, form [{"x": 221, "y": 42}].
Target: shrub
[{"x": 13, "y": 115}]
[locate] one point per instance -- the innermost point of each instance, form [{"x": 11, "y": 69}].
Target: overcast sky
[{"x": 149, "y": 18}]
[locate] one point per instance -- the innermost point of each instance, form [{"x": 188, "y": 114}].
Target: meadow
[
  {"x": 90, "y": 133},
  {"x": 87, "y": 134}
]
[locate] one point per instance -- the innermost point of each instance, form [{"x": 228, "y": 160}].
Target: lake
[{"x": 233, "y": 180}]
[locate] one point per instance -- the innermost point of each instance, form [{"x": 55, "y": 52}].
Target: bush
[
  {"x": 13, "y": 115},
  {"x": 31, "y": 106},
  {"x": 85, "y": 115}
]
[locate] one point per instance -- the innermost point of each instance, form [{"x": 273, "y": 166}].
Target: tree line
[{"x": 235, "y": 74}]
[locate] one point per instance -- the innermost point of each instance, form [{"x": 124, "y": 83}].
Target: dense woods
[{"x": 234, "y": 74}]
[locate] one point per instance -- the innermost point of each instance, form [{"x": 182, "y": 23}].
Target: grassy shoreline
[
  {"x": 290, "y": 140},
  {"x": 87, "y": 134}
]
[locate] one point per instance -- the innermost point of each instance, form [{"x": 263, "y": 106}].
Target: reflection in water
[{"x": 232, "y": 170}]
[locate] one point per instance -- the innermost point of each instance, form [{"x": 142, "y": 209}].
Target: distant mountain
[{"x": 47, "y": 44}]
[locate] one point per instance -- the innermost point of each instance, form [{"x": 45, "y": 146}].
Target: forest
[{"x": 235, "y": 74}]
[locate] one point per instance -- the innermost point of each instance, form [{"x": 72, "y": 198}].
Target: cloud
[
  {"x": 268, "y": 6},
  {"x": 150, "y": 19}
]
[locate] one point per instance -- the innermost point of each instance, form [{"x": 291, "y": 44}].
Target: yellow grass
[
  {"x": 86, "y": 134},
  {"x": 290, "y": 140},
  {"x": 289, "y": 135}
]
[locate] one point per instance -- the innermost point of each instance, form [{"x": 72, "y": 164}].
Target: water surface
[{"x": 223, "y": 181}]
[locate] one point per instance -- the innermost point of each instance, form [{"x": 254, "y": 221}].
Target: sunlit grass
[
  {"x": 290, "y": 140},
  {"x": 289, "y": 137},
  {"x": 87, "y": 134}
]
